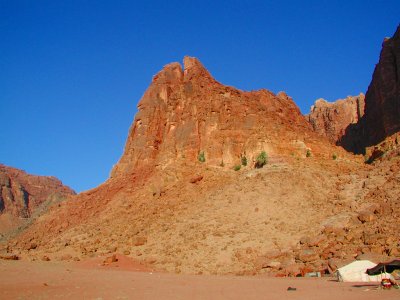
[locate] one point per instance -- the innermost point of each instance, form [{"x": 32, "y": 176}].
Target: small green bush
[
  {"x": 244, "y": 161},
  {"x": 237, "y": 167},
  {"x": 201, "y": 157},
  {"x": 261, "y": 160},
  {"x": 308, "y": 154},
  {"x": 334, "y": 156}
]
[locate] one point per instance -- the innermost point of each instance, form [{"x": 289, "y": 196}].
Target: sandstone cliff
[
  {"x": 356, "y": 123},
  {"x": 22, "y": 193},
  {"x": 382, "y": 100},
  {"x": 339, "y": 121},
  {"x": 186, "y": 111}
]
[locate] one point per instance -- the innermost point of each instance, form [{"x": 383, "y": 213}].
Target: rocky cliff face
[
  {"x": 333, "y": 119},
  {"x": 21, "y": 193},
  {"x": 359, "y": 122},
  {"x": 382, "y": 100},
  {"x": 186, "y": 111}
]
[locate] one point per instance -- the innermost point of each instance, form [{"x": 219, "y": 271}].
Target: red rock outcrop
[
  {"x": 332, "y": 119},
  {"x": 382, "y": 100},
  {"x": 21, "y": 193},
  {"x": 187, "y": 112}
]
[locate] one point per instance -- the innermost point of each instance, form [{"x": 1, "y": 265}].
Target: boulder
[
  {"x": 366, "y": 216},
  {"x": 307, "y": 255},
  {"x": 45, "y": 258},
  {"x": 317, "y": 241},
  {"x": 337, "y": 223},
  {"x": 196, "y": 179},
  {"x": 66, "y": 257},
  {"x": 9, "y": 257},
  {"x": 110, "y": 259},
  {"x": 139, "y": 241},
  {"x": 272, "y": 264}
]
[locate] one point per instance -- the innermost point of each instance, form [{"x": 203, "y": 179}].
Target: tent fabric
[
  {"x": 389, "y": 267},
  {"x": 356, "y": 272}
]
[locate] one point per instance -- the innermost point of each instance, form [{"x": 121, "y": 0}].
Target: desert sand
[{"x": 91, "y": 279}]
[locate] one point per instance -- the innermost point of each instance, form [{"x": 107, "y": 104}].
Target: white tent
[{"x": 355, "y": 272}]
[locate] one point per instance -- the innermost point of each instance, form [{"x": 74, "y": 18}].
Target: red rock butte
[{"x": 186, "y": 112}]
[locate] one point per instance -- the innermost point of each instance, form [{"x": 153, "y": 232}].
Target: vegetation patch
[
  {"x": 244, "y": 161},
  {"x": 261, "y": 160},
  {"x": 201, "y": 157}
]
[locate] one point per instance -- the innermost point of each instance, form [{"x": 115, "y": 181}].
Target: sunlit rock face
[
  {"x": 186, "y": 111},
  {"x": 336, "y": 119},
  {"x": 22, "y": 193}
]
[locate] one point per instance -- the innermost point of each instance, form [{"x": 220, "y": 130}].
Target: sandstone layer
[{"x": 382, "y": 100}]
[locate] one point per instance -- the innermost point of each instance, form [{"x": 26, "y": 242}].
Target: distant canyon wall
[
  {"x": 382, "y": 100},
  {"x": 333, "y": 119},
  {"x": 359, "y": 122},
  {"x": 22, "y": 193}
]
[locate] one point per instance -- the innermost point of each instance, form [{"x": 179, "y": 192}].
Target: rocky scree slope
[{"x": 209, "y": 221}]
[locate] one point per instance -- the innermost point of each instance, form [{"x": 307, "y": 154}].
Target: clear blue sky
[{"x": 72, "y": 72}]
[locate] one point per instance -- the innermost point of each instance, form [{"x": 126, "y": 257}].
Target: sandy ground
[{"x": 126, "y": 280}]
